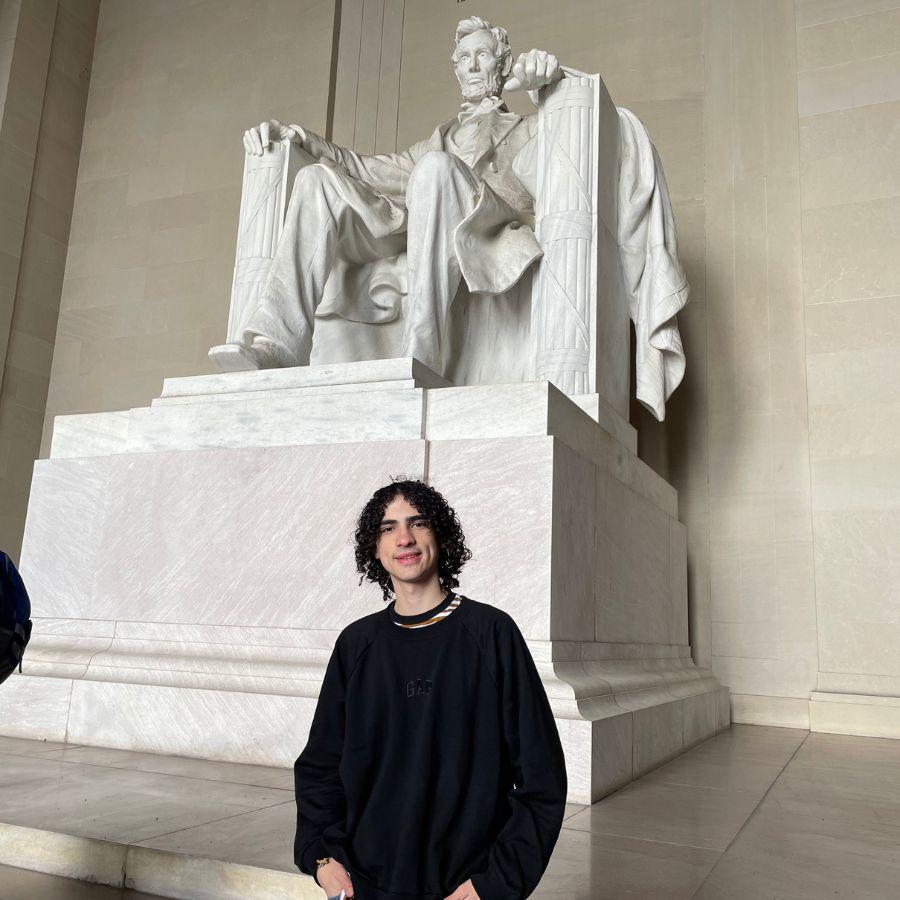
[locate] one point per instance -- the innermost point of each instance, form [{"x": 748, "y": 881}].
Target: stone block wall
[
  {"x": 151, "y": 255},
  {"x": 45, "y": 58}
]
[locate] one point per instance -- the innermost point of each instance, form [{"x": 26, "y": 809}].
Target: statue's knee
[
  {"x": 435, "y": 167},
  {"x": 313, "y": 178}
]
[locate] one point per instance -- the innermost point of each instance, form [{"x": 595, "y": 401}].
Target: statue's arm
[{"x": 387, "y": 173}]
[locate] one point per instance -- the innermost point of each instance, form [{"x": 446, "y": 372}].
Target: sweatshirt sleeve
[
  {"x": 317, "y": 783},
  {"x": 521, "y": 852}
]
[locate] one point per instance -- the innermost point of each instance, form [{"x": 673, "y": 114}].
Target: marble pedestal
[{"x": 191, "y": 564}]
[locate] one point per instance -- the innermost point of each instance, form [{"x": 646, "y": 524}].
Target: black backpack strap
[
  {"x": 23, "y": 636},
  {"x": 12, "y": 647}
]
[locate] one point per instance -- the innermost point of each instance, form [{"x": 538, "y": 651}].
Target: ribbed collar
[{"x": 439, "y": 629}]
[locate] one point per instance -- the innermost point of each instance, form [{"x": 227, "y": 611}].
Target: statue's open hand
[
  {"x": 258, "y": 138},
  {"x": 533, "y": 70}
]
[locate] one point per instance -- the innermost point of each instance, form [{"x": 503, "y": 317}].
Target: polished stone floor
[{"x": 753, "y": 813}]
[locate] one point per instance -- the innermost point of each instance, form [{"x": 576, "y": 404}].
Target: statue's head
[{"x": 482, "y": 58}]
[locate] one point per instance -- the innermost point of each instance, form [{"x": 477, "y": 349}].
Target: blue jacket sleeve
[
  {"x": 522, "y": 850},
  {"x": 11, "y": 582},
  {"x": 317, "y": 782}
]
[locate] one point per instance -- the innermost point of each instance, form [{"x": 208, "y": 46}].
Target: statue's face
[{"x": 477, "y": 67}]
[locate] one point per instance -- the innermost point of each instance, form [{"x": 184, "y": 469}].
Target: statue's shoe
[
  {"x": 270, "y": 354},
  {"x": 261, "y": 354},
  {"x": 233, "y": 358}
]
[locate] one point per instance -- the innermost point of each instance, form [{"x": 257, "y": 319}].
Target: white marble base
[
  {"x": 196, "y": 567},
  {"x": 35, "y": 707},
  {"x": 185, "y": 691},
  {"x": 366, "y": 375}
]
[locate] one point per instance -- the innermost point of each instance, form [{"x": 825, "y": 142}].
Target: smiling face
[
  {"x": 477, "y": 66},
  {"x": 406, "y": 546}
]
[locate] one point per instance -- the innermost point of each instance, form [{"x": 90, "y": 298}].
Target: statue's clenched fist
[
  {"x": 258, "y": 138},
  {"x": 533, "y": 70}
]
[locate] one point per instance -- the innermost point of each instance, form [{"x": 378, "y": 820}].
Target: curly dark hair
[{"x": 452, "y": 550}]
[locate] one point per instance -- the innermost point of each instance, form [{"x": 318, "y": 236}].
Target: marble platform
[
  {"x": 754, "y": 812},
  {"x": 190, "y": 564}
]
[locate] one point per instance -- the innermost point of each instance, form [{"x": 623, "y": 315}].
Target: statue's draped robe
[{"x": 648, "y": 255}]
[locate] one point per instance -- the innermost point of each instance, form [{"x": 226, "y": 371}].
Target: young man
[{"x": 434, "y": 769}]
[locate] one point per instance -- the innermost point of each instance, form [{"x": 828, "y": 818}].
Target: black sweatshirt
[{"x": 433, "y": 757}]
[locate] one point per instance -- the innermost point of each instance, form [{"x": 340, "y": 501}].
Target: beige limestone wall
[
  {"x": 849, "y": 107},
  {"x": 763, "y": 636},
  {"x": 151, "y": 254},
  {"x": 45, "y": 55}
]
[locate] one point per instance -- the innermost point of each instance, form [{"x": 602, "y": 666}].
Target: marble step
[
  {"x": 374, "y": 400},
  {"x": 163, "y": 825},
  {"x": 158, "y": 872}
]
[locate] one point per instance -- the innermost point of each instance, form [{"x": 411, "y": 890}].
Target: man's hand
[
  {"x": 533, "y": 70},
  {"x": 258, "y": 138},
  {"x": 464, "y": 892},
  {"x": 333, "y": 878}
]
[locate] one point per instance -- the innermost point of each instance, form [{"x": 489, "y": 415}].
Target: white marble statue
[
  {"x": 456, "y": 203},
  {"x": 373, "y": 239}
]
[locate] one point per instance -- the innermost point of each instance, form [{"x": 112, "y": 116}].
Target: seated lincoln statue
[
  {"x": 459, "y": 204},
  {"x": 374, "y": 250}
]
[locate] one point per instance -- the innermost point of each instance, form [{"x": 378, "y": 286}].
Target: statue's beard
[{"x": 482, "y": 86}]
